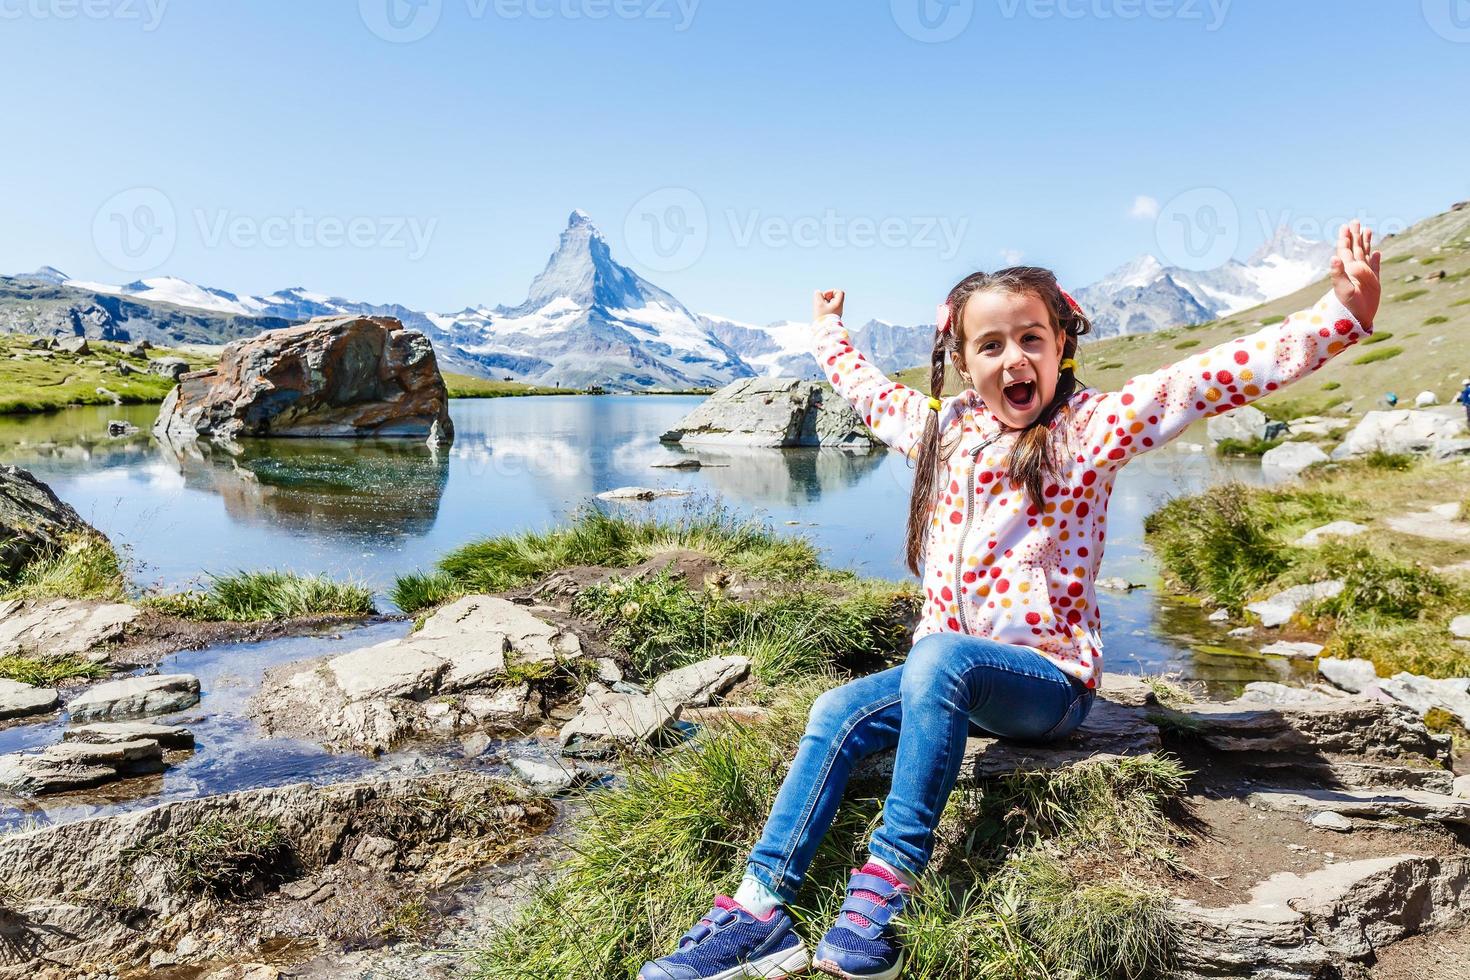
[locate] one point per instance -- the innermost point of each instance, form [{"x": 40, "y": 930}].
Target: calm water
[{"x": 371, "y": 510}]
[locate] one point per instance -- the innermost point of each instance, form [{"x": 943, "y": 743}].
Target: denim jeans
[{"x": 926, "y": 707}]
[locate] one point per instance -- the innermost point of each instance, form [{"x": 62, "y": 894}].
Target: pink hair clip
[
  {"x": 1070, "y": 301},
  {"x": 942, "y": 318}
]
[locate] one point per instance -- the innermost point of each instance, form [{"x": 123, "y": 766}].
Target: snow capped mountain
[{"x": 1145, "y": 295}]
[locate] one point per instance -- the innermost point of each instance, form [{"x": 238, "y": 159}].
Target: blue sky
[{"x": 736, "y": 152}]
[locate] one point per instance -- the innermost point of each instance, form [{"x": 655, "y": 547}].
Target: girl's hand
[
  {"x": 829, "y": 301},
  {"x": 1355, "y": 272}
]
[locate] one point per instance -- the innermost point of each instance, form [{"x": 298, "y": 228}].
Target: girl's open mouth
[{"x": 1020, "y": 395}]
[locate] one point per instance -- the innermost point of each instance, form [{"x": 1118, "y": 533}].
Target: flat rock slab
[
  {"x": 78, "y": 765},
  {"x": 1423, "y": 693},
  {"x": 610, "y": 719},
  {"x": 1352, "y": 675},
  {"x": 18, "y": 700},
  {"x": 548, "y": 778},
  {"x": 1336, "y": 529},
  {"x": 135, "y": 697},
  {"x": 173, "y": 737},
  {"x": 1292, "y": 650},
  {"x": 1306, "y": 927},
  {"x": 62, "y": 626},
  {"x": 1407, "y": 804}
]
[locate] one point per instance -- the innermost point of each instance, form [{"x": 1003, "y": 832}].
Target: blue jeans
[{"x": 925, "y": 707}]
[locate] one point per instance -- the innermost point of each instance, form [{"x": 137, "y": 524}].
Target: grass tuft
[
  {"x": 228, "y": 857},
  {"x": 84, "y": 567},
  {"x": 255, "y": 596},
  {"x": 48, "y": 671}
]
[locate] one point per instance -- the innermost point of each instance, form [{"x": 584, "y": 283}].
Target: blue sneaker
[
  {"x": 863, "y": 944},
  {"x": 731, "y": 944}
]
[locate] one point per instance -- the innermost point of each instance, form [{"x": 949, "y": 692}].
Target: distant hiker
[
  {"x": 1005, "y": 533},
  {"x": 1464, "y": 397},
  {"x": 1392, "y": 399}
]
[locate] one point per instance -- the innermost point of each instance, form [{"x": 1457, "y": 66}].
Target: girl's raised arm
[
  {"x": 1153, "y": 408},
  {"x": 896, "y": 413}
]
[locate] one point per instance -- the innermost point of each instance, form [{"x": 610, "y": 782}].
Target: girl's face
[{"x": 1010, "y": 353}]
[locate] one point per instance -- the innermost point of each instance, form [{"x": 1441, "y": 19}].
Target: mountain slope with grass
[{"x": 1421, "y": 341}]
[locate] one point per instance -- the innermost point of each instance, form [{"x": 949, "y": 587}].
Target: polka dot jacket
[{"x": 997, "y": 566}]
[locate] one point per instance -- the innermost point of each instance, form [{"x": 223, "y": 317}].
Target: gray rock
[
  {"x": 548, "y": 779},
  {"x": 1242, "y": 424},
  {"x": 135, "y": 697},
  {"x": 1401, "y": 431},
  {"x": 1305, "y": 927},
  {"x": 18, "y": 700},
  {"x": 608, "y": 671},
  {"x": 1336, "y": 529},
  {"x": 696, "y": 685},
  {"x": 1270, "y": 692},
  {"x": 642, "y": 493},
  {"x": 33, "y": 520},
  {"x": 1220, "y": 615},
  {"x": 1462, "y": 787},
  {"x": 62, "y": 626},
  {"x": 74, "y": 345},
  {"x": 1350, "y": 675},
  {"x": 174, "y": 737},
  {"x": 77, "y": 765},
  {"x": 1279, "y": 608},
  {"x": 1460, "y": 627},
  {"x": 1241, "y": 632},
  {"x": 608, "y": 720},
  {"x": 1330, "y": 820},
  {"x": 169, "y": 367},
  {"x": 1116, "y": 584},
  {"x": 507, "y": 706},
  {"x": 1290, "y": 458},
  {"x": 773, "y": 413},
  {"x": 1292, "y": 650},
  {"x": 1401, "y": 804},
  {"x": 391, "y": 669},
  {"x": 1422, "y": 693}
]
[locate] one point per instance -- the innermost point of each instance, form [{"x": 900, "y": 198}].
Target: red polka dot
[{"x": 1242, "y": 357}]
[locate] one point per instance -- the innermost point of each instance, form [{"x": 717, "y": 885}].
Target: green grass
[
  {"x": 255, "y": 596},
  {"x": 595, "y": 537},
  {"x": 48, "y": 670},
  {"x": 1186, "y": 344},
  {"x": 1268, "y": 321},
  {"x": 1412, "y": 294},
  {"x": 1378, "y": 337},
  {"x": 34, "y": 384},
  {"x": 1435, "y": 321},
  {"x": 1378, "y": 354},
  {"x": 1426, "y": 649},
  {"x": 1331, "y": 385},
  {"x": 226, "y": 857},
  {"x": 659, "y": 623},
  {"x": 651, "y": 852},
  {"x": 84, "y": 567},
  {"x": 1382, "y": 459},
  {"x": 469, "y": 386}
]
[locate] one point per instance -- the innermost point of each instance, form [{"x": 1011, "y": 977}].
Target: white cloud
[{"x": 1145, "y": 208}]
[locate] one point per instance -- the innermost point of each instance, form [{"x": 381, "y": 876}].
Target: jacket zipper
[{"x": 959, "y": 553}]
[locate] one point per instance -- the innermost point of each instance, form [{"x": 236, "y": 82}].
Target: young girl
[{"x": 1006, "y": 529}]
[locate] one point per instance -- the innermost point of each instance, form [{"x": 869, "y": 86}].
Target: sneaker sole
[
  {"x": 832, "y": 969},
  {"x": 775, "y": 966}
]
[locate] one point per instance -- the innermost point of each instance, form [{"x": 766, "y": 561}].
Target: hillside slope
[{"x": 1421, "y": 340}]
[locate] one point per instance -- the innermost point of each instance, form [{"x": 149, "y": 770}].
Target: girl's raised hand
[
  {"x": 1355, "y": 272},
  {"x": 827, "y": 301}
]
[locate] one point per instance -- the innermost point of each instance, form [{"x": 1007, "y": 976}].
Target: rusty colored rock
[{"x": 334, "y": 376}]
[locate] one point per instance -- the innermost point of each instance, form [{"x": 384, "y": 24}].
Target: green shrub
[
  {"x": 1255, "y": 446},
  {"x": 1375, "y": 587},
  {"x": 84, "y": 567},
  {"x": 1382, "y": 459}
]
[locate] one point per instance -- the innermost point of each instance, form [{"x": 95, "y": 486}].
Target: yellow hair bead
[
  {"x": 936, "y": 404},
  {"x": 1069, "y": 364}
]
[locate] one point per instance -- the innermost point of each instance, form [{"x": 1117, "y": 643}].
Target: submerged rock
[
  {"x": 333, "y": 376},
  {"x": 78, "y": 765},
  {"x": 135, "y": 697},
  {"x": 774, "y": 413}
]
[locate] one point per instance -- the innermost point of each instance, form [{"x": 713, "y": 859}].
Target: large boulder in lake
[
  {"x": 33, "y": 520},
  {"x": 1403, "y": 430},
  {"x": 333, "y": 376},
  {"x": 773, "y": 413}
]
